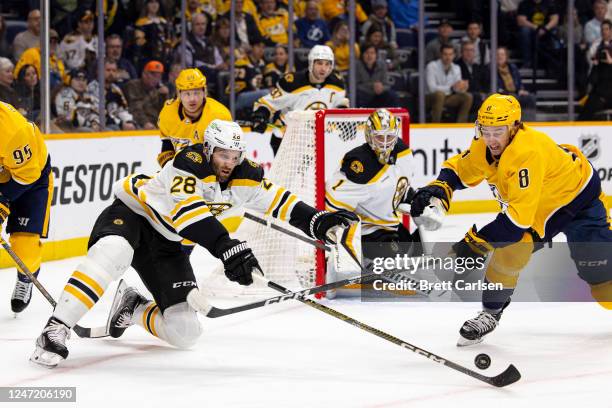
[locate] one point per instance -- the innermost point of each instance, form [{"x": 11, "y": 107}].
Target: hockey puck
[{"x": 482, "y": 361}]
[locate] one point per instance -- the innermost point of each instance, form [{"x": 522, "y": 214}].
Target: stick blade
[
  {"x": 90, "y": 333},
  {"x": 509, "y": 376}
]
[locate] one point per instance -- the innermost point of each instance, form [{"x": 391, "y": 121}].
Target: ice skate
[
  {"x": 474, "y": 330},
  {"x": 22, "y": 294},
  {"x": 51, "y": 344},
  {"x": 124, "y": 304}
]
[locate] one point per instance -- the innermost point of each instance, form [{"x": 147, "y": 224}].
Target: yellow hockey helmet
[
  {"x": 381, "y": 133},
  {"x": 190, "y": 78},
  {"x": 499, "y": 110}
]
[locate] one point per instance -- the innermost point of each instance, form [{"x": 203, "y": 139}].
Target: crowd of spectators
[{"x": 143, "y": 54}]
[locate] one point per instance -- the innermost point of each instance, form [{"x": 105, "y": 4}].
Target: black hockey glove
[
  {"x": 238, "y": 261},
  {"x": 472, "y": 246},
  {"x": 4, "y": 209},
  {"x": 422, "y": 198},
  {"x": 260, "y": 120},
  {"x": 323, "y": 222}
]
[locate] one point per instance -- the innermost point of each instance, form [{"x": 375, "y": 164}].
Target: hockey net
[{"x": 313, "y": 145}]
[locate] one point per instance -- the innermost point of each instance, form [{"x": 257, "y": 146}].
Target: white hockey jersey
[
  {"x": 186, "y": 193},
  {"x": 294, "y": 91},
  {"x": 74, "y": 47},
  {"x": 371, "y": 190}
]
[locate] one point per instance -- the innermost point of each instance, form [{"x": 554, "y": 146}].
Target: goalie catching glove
[
  {"x": 260, "y": 120},
  {"x": 323, "y": 224},
  {"x": 238, "y": 261},
  {"x": 472, "y": 246}
]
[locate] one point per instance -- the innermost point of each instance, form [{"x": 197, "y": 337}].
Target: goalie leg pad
[{"x": 106, "y": 261}]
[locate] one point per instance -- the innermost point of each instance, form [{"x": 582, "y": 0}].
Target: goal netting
[{"x": 313, "y": 145}]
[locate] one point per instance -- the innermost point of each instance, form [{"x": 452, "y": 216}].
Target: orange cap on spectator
[{"x": 154, "y": 66}]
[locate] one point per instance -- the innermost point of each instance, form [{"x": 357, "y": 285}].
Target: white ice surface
[{"x": 290, "y": 355}]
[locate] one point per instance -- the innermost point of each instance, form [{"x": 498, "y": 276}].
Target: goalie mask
[
  {"x": 320, "y": 52},
  {"x": 226, "y": 135},
  {"x": 381, "y": 133}
]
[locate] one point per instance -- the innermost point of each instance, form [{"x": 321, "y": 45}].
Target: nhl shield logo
[{"x": 589, "y": 145}]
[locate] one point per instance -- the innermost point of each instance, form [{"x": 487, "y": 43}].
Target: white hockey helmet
[
  {"x": 226, "y": 135},
  {"x": 320, "y": 52}
]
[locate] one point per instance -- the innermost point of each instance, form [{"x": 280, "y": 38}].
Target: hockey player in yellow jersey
[
  {"x": 26, "y": 188},
  {"x": 543, "y": 189},
  {"x": 183, "y": 120}
]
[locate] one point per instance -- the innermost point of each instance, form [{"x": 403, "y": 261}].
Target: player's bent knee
[
  {"x": 27, "y": 246},
  {"x": 181, "y": 325},
  {"x": 113, "y": 254},
  {"x": 602, "y": 293}
]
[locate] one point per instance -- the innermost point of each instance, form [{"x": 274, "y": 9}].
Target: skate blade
[
  {"x": 44, "y": 358},
  {"x": 463, "y": 342},
  {"x": 121, "y": 288}
]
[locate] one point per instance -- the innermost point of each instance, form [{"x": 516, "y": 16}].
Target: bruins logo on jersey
[
  {"x": 118, "y": 221},
  {"x": 252, "y": 163},
  {"x": 194, "y": 157},
  {"x": 316, "y": 106},
  {"x": 289, "y": 77},
  {"x": 356, "y": 167},
  {"x": 400, "y": 191},
  {"x": 218, "y": 208}
]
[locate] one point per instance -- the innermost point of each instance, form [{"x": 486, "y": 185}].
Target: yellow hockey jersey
[
  {"x": 178, "y": 131},
  {"x": 23, "y": 153},
  {"x": 532, "y": 179}
]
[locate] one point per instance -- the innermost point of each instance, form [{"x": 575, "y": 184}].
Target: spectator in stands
[
  {"x": 475, "y": 74},
  {"x": 432, "y": 50},
  {"x": 146, "y": 96},
  {"x": 135, "y": 50},
  {"x": 173, "y": 73},
  {"x": 249, "y": 78},
  {"x": 31, "y": 56},
  {"x": 114, "y": 50},
  {"x": 7, "y": 92},
  {"x": 379, "y": 16},
  {"x": 221, "y": 40},
  {"x": 509, "y": 81},
  {"x": 372, "y": 88},
  {"x": 29, "y": 38},
  {"x": 506, "y": 34},
  {"x": 28, "y": 92},
  {"x": 339, "y": 43},
  {"x": 79, "y": 48},
  {"x": 157, "y": 31},
  {"x": 246, "y": 27},
  {"x": 581, "y": 64},
  {"x": 273, "y": 23},
  {"x": 474, "y": 30},
  {"x": 405, "y": 15},
  {"x": 592, "y": 29},
  {"x": 201, "y": 53},
  {"x": 312, "y": 29},
  {"x": 445, "y": 88},
  {"x": 536, "y": 20},
  {"x": 192, "y": 8},
  {"x": 375, "y": 37},
  {"x": 74, "y": 106},
  {"x": 5, "y": 47},
  {"x": 334, "y": 11},
  {"x": 277, "y": 68},
  {"x": 117, "y": 114},
  {"x": 600, "y": 78}
]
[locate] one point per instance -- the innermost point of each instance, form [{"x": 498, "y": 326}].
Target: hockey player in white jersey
[
  {"x": 319, "y": 87},
  {"x": 144, "y": 228},
  {"x": 374, "y": 179}
]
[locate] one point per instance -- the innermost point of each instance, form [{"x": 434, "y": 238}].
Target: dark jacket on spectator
[
  {"x": 367, "y": 77},
  {"x": 145, "y": 104},
  {"x": 516, "y": 77},
  {"x": 477, "y": 77},
  {"x": 252, "y": 31},
  {"x": 8, "y": 95}
]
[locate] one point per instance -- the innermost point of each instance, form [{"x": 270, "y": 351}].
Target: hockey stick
[
  {"x": 77, "y": 329},
  {"x": 508, "y": 376},
  {"x": 366, "y": 274}
]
